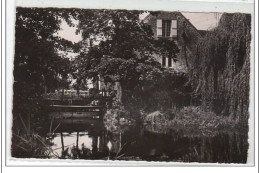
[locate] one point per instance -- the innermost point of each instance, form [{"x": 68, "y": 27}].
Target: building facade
[{"x": 173, "y": 25}]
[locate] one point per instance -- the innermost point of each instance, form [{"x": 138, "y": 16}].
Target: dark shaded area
[{"x": 137, "y": 142}]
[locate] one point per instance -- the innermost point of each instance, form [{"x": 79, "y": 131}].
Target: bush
[
  {"x": 197, "y": 117},
  {"x": 117, "y": 114},
  {"x": 157, "y": 118},
  {"x": 189, "y": 121},
  {"x": 165, "y": 90}
]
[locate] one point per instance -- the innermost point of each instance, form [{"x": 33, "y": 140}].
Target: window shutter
[
  {"x": 174, "y": 28},
  {"x": 159, "y": 28}
]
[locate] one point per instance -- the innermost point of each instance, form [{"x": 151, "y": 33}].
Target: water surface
[{"x": 92, "y": 139}]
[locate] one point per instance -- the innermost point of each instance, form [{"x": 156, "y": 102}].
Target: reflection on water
[
  {"x": 92, "y": 139},
  {"x": 65, "y": 141}
]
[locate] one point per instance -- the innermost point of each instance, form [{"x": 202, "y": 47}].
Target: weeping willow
[{"x": 220, "y": 67}]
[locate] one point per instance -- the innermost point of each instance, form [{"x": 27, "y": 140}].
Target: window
[
  {"x": 166, "y": 62},
  {"x": 163, "y": 61},
  {"x": 169, "y": 62},
  {"x": 166, "y": 28}
]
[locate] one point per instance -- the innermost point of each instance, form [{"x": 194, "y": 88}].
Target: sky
[
  {"x": 69, "y": 33},
  {"x": 203, "y": 21}
]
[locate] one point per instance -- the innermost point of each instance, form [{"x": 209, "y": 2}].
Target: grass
[{"x": 29, "y": 144}]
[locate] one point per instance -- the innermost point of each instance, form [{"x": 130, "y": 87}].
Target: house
[{"x": 173, "y": 25}]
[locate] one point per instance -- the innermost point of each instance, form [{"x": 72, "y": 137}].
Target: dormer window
[{"x": 166, "y": 28}]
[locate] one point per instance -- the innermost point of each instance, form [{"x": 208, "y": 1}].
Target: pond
[{"x": 92, "y": 139}]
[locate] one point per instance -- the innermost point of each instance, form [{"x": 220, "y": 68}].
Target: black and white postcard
[{"x": 134, "y": 85}]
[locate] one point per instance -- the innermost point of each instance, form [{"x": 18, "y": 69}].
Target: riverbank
[
  {"x": 191, "y": 116},
  {"x": 191, "y": 120}
]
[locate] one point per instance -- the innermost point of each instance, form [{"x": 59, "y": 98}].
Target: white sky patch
[
  {"x": 69, "y": 33},
  {"x": 203, "y": 21}
]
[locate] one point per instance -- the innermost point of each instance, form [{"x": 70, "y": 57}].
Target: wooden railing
[{"x": 74, "y": 96}]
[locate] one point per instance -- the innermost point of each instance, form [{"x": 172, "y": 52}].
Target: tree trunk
[
  {"x": 185, "y": 55},
  {"x": 94, "y": 144},
  {"x": 62, "y": 94},
  {"x": 45, "y": 89},
  {"x": 29, "y": 123},
  {"x": 119, "y": 92},
  {"x": 78, "y": 91},
  {"x": 77, "y": 141},
  {"x": 62, "y": 145},
  {"x": 96, "y": 83}
]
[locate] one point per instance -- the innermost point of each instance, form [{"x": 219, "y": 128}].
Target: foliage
[
  {"x": 31, "y": 146},
  {"x": 118, "y": 46},
  {"x": 196, "y": 117},
  {"x": 160, "y": 91},
  {"x": 117, "y": 114},
  {"x": 156, "y": 117},
  {"x": 38, "y": 68},
  {"x": 37, "y": 65},
  {"x": 190, "y": 120},
  {"x": 220, "y": 70},
  {"x": 110, "y": 48},
  {"x": 27, "y": 143}
]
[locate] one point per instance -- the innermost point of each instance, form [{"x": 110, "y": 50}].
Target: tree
[
  {"x": 38, "y": 67},
  {"x": 118, "y": 46},
  {"x": 220, "y": 70}
]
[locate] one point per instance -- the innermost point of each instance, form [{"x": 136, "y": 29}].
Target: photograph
[{"x": 131, "y": 85}]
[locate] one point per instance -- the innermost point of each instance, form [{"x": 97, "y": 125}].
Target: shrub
[{"x": 157, "y": 117}]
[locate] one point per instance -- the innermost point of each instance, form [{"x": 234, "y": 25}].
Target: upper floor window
[{"x": 166, "y": 28}]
